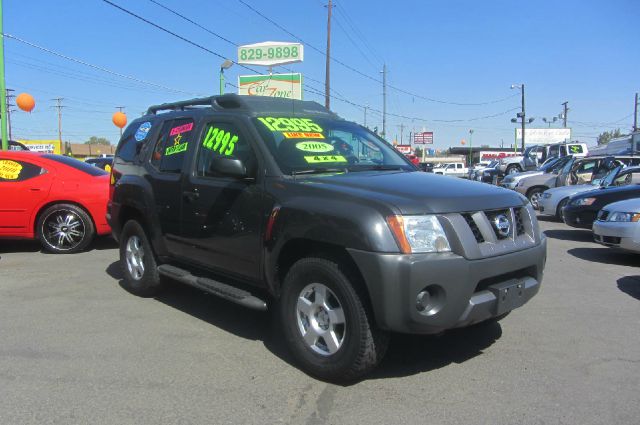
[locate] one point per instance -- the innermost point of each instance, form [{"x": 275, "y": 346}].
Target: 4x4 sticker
[
  {"x": 142, "y": 131},
  {"x": 325, "y": 158},
  {"x": 314, "y": 147},
  {"x": 181, "y": 129},
  {"x": 220, "y": 141},
  {"x": 290, "y": 124},
  {"x": 10, "y": 170}
]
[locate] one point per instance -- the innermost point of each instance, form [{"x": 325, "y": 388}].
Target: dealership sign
[
  {"x": 44, "y": 146},
  {"x": 286, "y": 86},
  {"x": 405, "y": 149},
  {"x": 496, "y": 155},
  {"x": 270, "y": 53},
  {"x": 544, "y": 136},
  {"x": 425, "y": 137}
]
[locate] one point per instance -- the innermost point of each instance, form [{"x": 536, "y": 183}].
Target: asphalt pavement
[{"x": 76, "y": 348}]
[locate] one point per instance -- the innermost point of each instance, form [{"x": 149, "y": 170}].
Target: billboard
[
  {"x": 270, "y": 53},
  {"x": 286, "y": 86},
  {"x": 425, "y": 137},
  {"x": 544, "y": 136},
  {"x": 44, "y": 146}
]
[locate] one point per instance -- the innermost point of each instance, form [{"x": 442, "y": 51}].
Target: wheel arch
[{"x": 532, "y": 188}]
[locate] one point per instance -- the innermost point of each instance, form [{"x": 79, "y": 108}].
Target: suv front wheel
[
  {"x": 326, "y": 325},
  {"x": 138, "y": 261}
]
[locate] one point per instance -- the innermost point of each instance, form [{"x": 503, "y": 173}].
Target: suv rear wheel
[
  {"x": 512, "y": 169},
  {"x": 138, "y": 261},
  {"x": 326, "y": 325}
]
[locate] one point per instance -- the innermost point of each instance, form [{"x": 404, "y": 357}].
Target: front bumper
[
  {"x": 617, "y": 234},
  {"x": 460, "y": 292},
  {"x": 579, "y": 217},
  {"x": 547, "y": 206}
]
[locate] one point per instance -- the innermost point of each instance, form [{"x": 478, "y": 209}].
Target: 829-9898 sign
[{"x": 270, "y": 53}]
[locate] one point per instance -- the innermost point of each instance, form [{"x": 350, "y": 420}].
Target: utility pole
[
  {"x": 120, "y": 108},
  {"x": 3, "y": 93},
  {"x": 9, "y": 105},
  {"x": 564, "y": 114},
  {"x": 327, "y": 85},
  {"x": 401, "y": 127},
  {"x": 365, "y": 115},
  {"x": 523, "y": 116},
  {"x": 635, "y": 114},
  {"x": 59, "y": 107},
  {"x": 384, "y": 100}
]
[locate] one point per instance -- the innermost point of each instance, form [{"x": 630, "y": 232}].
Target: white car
[
  {"x": 618, "y": 225},
  {"x": 553, "y": 200}
]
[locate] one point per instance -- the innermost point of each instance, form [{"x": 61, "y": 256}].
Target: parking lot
[{"x": 76, "y": 348}]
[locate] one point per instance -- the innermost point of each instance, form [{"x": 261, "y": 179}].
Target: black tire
[
  {"x": 512, "y": 169},
  {"x": 65, "y": 229},
  {"x": 360, "y": 345},
  {"x": 138, "y": 260},
  {"x": 534, "y": 196},
  {"x": 559, "y": 213}
]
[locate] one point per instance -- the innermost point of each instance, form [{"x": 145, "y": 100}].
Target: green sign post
[{"x": 3, "y": 88}]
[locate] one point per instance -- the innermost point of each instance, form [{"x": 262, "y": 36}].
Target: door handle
[{"x": 191, "y": 196}]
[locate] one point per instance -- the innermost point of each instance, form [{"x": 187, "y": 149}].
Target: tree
[
  {"x": 418, "y": 152},
  {"x": 605, "y": 137},
  {"x": 93, "y": 140}
]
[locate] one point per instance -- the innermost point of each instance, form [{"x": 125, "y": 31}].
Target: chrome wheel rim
[
  {"x": 512, "y": 170},
  {"x": 63, "y": 229},
  {"x": 320, "y": 319},
  {"x": 535, "y": 200},
  {"x": 134, "y": 257}
]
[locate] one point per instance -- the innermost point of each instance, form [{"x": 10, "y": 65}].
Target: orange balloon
[
  {"x": 26, "y": 102},
  {"x": 462, "y": 142},
  {"x": 119, "y": 119}
]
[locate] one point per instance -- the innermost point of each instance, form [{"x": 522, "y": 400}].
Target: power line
[{"x": 100, "y": 68}]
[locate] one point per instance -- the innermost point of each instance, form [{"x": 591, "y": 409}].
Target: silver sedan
[{"x": 618, "y": 225}]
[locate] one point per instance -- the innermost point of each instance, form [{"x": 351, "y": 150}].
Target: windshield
[
  {"x": 551, "y": 163},
  {"x": 557, "y": 166},
  {"x": 304, "y": 145}
]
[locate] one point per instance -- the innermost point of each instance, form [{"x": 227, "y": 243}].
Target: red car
[
  {"x": 59, "y": 200},
  {"x": 413, "y": 158}
]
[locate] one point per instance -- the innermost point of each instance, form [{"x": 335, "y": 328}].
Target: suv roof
[{"x": 247, "y": 105}]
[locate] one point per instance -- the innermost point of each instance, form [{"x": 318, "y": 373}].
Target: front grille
[
  {"x": 474, "y": 227},
  {"x": 603, "y": 215}
]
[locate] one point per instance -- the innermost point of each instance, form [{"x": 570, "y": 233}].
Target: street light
[
  {"x": 521, "y": 114},
  {"x": 550, "y": 120},
  {"x": 225, "y": 65}
]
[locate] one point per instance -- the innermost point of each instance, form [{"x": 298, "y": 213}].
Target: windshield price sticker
[
  {"x": 290, "y": 124},
  {"x": 302, "y": 135},
  {"x": 316, "y": 159},
  {"x": 10, "y": 170},
  {"x": 220, "y": 141},
  {"x": 314, "y": 147}
]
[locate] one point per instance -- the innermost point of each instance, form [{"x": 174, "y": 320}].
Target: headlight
[
  {"x": 624, "y": 216},
  {"x": 546, "y": 195},
  {"x": 583, "y": 201},
  {"x": 418, "y": 233}
]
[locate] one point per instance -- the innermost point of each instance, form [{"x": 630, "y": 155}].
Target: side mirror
[{"x": 227, "y": 167}]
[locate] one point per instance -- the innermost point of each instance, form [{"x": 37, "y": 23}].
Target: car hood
[
  {"x": 564, "y": 191},
  {"x": 415, "y": 192},
  {"x": 630, "y": 191},
  {"x": 630, "y": 205}
]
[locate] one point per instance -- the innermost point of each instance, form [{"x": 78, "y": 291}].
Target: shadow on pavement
[
  {"x": 32, "y": 245},
  {"x": 547, "y": 218},
  {"x": 630, "y": 285},
  {"x": 575, "y": 235},
  {"x": 413, "y": 354},
  {"x": 606, "y": 256}
]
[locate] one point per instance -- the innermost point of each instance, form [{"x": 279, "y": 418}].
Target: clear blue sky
[{"x": 584, "y": 52}]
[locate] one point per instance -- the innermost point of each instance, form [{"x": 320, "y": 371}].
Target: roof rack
[{"x": 254, "y": 104}]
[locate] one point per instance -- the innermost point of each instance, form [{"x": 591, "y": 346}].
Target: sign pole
[{"x": 3, "y": 87}]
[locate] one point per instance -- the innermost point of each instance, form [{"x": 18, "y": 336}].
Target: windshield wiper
[
  {"x": 376, "y": 167},
  {"x": 319, "y": 171}
]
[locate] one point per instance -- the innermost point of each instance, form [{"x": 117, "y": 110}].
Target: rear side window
[
  {"x": 132, "y": 141},
  {"x": 17, "y": 171},
  {"x": 78, "y": 165},
  {"x": 172, "y": 144}
]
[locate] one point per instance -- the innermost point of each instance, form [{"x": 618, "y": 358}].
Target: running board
[{"x": 222, "y": 290}]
